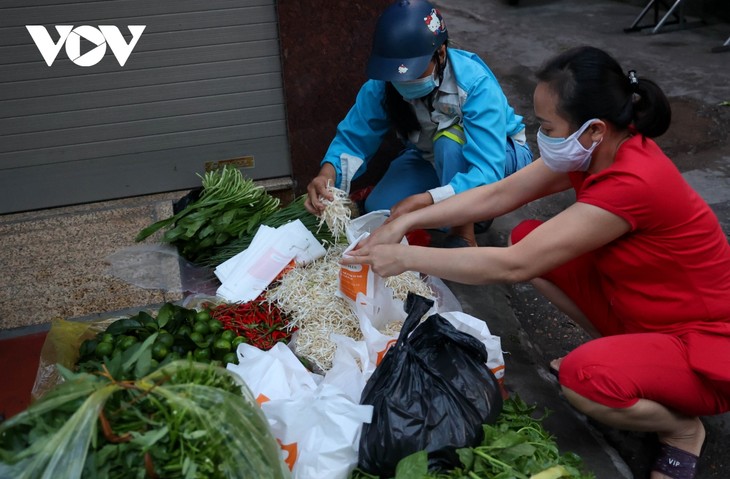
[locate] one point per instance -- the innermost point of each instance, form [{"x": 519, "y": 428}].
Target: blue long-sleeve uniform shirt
[{"x": 478, "y": 105}]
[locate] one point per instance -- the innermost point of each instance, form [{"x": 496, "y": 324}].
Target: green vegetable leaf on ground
[{"x": 515, "y": 447}]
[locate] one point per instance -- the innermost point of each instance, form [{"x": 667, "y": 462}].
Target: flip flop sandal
[{"x": 676, "y": 463}]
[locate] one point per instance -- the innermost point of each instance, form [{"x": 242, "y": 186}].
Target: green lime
[
  {"x": 230, "y": 358},
  {"x": 238, "y": 340},
  {"x": 127, "y": 342},
  {"x": 196, "y": 337},
  {"x": 184, "y": 330},
  {"x": 154, "y": 364},
  {"x": 107, "y": 337},
  {"x": 222, "y": 345},
  {"x": 202, "y": 316},
  {"x": 174, "y": 356},
  {"x": 202, "y": 328},
  {"x": 166, "y": 338},
  {"x": 179, "y": 349},
  {"x": 215, "y": 325},
  {"x": 202, "y": 354},
  {"x": 159, "y": 351},
  {"x": 88, "y": 347},
  {"x": 228, "y": 335},
  {"x": 104, "y": 348}
]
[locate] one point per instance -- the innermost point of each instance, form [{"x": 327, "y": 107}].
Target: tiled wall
[{"x": 325, "y": 45}]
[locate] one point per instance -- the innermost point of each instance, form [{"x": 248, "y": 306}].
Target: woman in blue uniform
[{"x": 445, "y": 105}]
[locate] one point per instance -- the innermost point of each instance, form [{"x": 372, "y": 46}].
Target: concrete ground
[
  {"x": 514, "y": 41},
  {"x": 55, "y": 261}
]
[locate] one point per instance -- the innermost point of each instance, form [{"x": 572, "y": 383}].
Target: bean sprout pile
[{"x": 308, "y": 295}]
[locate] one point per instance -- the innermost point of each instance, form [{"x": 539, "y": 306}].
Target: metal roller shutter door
[{"x": 202, "y": 85}]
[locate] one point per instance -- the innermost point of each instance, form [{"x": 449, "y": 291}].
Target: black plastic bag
[
  {"x": 192, "y": 196},
  {"x": 432, "y": 391}
]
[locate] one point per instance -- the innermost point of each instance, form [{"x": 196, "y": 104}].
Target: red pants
[{"x": 619, "y": 369}]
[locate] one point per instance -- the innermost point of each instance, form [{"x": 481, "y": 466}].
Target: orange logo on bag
[
  {"x": 354, "y": 279},
  {"x": 291, "y": 453},
  {"x": 381, "y": 354},
  {"x": 262, "y": 399},
  {"x": 500, "y": 380},
  {"x": 292, "y": 264}
]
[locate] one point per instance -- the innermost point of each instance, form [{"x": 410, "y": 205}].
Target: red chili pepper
[{"x": 261, "y": 323}]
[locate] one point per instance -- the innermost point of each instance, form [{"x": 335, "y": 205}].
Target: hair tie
[{"x": 633, "y": 79}]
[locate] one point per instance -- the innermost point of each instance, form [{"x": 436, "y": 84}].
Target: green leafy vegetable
[
  {"x": 229, "y": 206},
  {"x": 291, "y": 212},
  {"x": 515, "y": 447},
  {"x": 185, "y": 420}
]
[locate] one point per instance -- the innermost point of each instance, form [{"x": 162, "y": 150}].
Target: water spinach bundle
[{"x": 229, "y": 207}]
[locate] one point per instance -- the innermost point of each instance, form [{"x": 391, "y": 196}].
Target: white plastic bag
[
  {"x": 316, "y": 420},
  {"x": 374, "y": 315},
  {"x": 273, "y": 374},
  {"x": 319, "y": 431},
  {"x": 348, "y": 366},
  {"x": 245, "y": 276},
  {"x": 365, "y": 224}
]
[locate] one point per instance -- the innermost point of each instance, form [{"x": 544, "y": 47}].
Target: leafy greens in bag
[{"x": 185, "y": 420}]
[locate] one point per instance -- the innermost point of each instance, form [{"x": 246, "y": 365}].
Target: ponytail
[{"x": 652, "y": 113}]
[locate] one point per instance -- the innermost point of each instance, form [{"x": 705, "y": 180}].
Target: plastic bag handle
[{"x": 416, "y": 306}]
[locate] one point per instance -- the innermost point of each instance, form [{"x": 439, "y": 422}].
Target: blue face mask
[{"x": 414, "y": 89}]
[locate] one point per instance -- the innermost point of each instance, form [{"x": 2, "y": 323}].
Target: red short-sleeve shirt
[{"x": 671, "y": 271}]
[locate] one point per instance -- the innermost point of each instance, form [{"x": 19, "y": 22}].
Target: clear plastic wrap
[
  {"x": 184, "y": 407},
  {"x": 160, "y": 266}
]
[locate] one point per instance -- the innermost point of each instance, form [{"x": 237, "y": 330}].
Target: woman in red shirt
[{"x": 639, "y": 260}]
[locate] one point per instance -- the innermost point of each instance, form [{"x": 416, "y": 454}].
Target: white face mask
[{"x": 566, "y": 154}]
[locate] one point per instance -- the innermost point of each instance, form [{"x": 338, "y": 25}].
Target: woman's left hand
[
  {"x": 385, "y": 259},
  {"x": 411, "y": 203}
]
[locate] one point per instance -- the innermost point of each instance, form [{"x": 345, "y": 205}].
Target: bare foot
[{"x": 555, "y": 364}]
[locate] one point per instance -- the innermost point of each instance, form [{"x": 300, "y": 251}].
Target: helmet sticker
[
  {"x": 402, "y": 69},
  {"x": 435, "y": 22}
]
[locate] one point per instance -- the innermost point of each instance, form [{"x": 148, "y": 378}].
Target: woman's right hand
[
  {"x": 391, "y": 232},
  {"x": 317, "y": 189}
]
